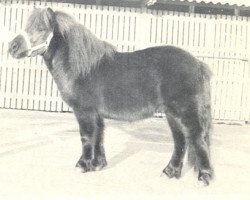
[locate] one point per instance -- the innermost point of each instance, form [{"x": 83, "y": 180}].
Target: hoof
[
  {"x": 91, "y": 165},
  {"x": 99, "y": 163},
  {"x": 172, "y": 171},
  {"x": 205, "y": 177}
]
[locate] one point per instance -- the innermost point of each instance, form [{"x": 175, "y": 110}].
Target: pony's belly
[
  {"x": 126, "y": 116},
  {"x": 131, "y": 105},
  {"x": 129, "y": 114}
]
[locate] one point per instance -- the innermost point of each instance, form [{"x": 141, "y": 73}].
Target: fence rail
[{"x": 223, "y": 42}]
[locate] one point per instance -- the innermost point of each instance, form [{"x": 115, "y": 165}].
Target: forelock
[{"x": 38, "y": 18}]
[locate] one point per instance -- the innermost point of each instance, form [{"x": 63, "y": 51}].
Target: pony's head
[
  {"x": 82, "y": 48},
  {"x": 36, "y": 38}
]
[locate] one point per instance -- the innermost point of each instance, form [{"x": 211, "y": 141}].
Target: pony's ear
[
  {"x": 51, "y": 16},
  {"x": 50, "y": 11}
]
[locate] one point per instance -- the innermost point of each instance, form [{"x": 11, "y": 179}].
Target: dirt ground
[{"x": 38, "y": 152}]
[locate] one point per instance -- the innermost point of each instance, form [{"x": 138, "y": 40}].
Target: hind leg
[
  {"x": 194, "y": 116},
  {"x": 174, "y": 167},
  {"x": 197, "y": 119}
]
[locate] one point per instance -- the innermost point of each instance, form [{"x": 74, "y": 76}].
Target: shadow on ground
[{"x": 142, "y": 138}]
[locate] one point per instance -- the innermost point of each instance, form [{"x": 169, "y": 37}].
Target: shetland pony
[{"x": 98, "y": 82}]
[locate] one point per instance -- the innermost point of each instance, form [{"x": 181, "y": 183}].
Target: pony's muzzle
[{"x": 18, "y": 47}]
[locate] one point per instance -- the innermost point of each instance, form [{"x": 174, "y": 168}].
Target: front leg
[{"x": 91, "y": 130}]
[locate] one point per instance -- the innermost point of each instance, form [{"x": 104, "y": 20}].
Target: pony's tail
[
  {"x": 205, "y": 119},
  {"x": 205, "y": 71},
  {"x": 192, "y": 154}
]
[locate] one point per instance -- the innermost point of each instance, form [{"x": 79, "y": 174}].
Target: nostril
[{"x": 14, "y": 46}]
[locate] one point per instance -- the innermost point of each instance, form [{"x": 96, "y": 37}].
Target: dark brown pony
[{"x": 98, "y": 82}]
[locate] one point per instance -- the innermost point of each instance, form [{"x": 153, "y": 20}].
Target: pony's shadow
[{"x": 157, "y": 140}]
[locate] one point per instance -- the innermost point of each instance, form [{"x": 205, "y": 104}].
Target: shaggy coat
[{"x": 98, "y": 82}]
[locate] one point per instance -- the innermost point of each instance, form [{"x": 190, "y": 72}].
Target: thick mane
[{"x": 85, "y": 49}]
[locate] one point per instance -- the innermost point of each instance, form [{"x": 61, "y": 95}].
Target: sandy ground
[{"x": 38, "y": 152}]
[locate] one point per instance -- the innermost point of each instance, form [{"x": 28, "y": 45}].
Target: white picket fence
[{"x": 223, "y": 42}]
